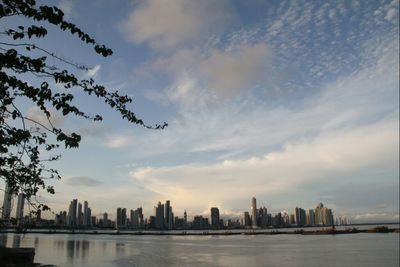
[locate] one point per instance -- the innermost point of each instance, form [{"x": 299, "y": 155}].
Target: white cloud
[
  {"x": 217, "y": 73},
  {"x": 66, "y": 6},
  {"x": 337, "y": 154},
  {"x": 167, "y": 24},
  {"x": 92, "y": 73},
  {"x": 117, "y": 141},
  {"x": 55, "y": 119},
  {"x": 380, "y": 217},
  {"x": 228, "y": 73}
]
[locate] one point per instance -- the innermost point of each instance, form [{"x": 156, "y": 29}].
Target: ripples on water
[{"x": 238, "y": 250}]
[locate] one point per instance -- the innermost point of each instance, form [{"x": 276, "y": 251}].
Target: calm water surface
[{"x": 261, "y": 250}]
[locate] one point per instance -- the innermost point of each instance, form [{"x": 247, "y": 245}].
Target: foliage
[{"x": 21, "y": 165}]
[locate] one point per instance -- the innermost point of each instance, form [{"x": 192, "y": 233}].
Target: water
[{"x": 364, "y": 249}]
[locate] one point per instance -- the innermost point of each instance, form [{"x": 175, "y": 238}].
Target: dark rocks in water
[{"x": 16, "y": 256}]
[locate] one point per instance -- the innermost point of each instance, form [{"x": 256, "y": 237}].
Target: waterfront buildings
[{"x": 80, "y": 216}]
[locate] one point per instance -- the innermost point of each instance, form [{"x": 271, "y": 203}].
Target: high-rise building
[
  {"x": 86, "y": 218},
  {"x": 119, "y": 218},
  {"x": 300, "y": 216},
  {"x": 123, "y": 214},
  {"x": 311, "y": 217},
  {"x": 318, "y": 214},
  {"x": 215, "y": 218},
  {"x": 254, "y": 212},
  {"x": 72, "y": 220},
  {"x": 167, "y": 219},
  {"x": 263, "y": 217},
  {"x": 19, "y": 215},
  {"x": 246, "y": 219},
  {"x": 79, "y": 215},
  {"x": 159, "y": 216},
  {"x": 185, "y": 219},
  {"x": 89, "y": 218},
  {"x": 171, "y": 221},
  {"x": 323, "y": 215},
  {"x": 6, "y": 211}
]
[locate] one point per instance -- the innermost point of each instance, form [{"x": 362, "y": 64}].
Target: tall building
[
  {"x": 254, "y": 212},
  {"x": 72, "y": 220},
  {"x": 119, "y": 218},
  {"x": 6, "y": 211},
  {"x": 123, "y": 215},
  {"x": 19, "y": 215},
  {"x": 318, "y": 214},
  {"x": 214, "y": 218},
  {"x": 323, "y": 215},
  {"x": 89, "y": 218},
  {"x": 167, "y": 219},
  {"x": 79, "y": 215},
  {"x": 246, "y": 219},
  {"x": 86, "y": 218},
  {"x": 185, "y": 219},
  {"x": 159, "y": 216},
  {"x": 263, "y": 217},
  {"x": 300, "y": 216},
  {"x": 311, "y": 217}
]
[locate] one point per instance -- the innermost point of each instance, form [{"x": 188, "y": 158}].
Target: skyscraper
[
  {"x": 79, "y": 215},
  {"x": 246, "y": 219},
  {"x": 89, "y": 215},
  {"x": 19, "y": 215},
  {"x": 166, "y": 214},
  {"x": 300, "y": 216},
  {"x": 7, "y": 203},
  {"x": 119, "y": 218},
  {"x": 311, "y": 217},
  {"x": 254, "y": 212},
  {"x": 123, "y": 215},
  {"x": 86, "y": 219},
  {"x": 159, "y": 216},
  {"x": 215, "y": 218},
  {"x": 72, "y": 213},
  {"x": 185, "y": 219}
]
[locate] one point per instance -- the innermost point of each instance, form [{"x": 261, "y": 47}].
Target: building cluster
[
  {"x": 260, "y": 218},
  {"x": 80, "y": 216},
  {"x": 7, "y": 204}
]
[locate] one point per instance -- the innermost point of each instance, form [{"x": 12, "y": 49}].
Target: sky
[{"x": 292, "y": 102}]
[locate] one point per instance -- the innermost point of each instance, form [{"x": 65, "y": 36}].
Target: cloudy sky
[{"x": 293, "y": 102}]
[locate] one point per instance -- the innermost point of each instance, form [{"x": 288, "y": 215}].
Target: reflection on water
[
  {"x": 239, "y": 250},
  {"x": 3, "y": 240},
  {"x": 76, "y": 250},
  {"x": 16, "y": 241}
]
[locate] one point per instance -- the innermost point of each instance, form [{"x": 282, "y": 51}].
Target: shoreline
[{"x": 325, "y": 231}]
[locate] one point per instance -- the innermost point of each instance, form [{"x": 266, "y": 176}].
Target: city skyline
[
  {"x": 163, "y": 217},
  {"x": 293, "y": 102},
  {"x": 79, "y": 216}
]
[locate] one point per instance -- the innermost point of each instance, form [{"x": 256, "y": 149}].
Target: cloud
[
  {"x": 117, "y": 141},
  {"x": 228, "y": 73},
  {"x": 82, "y": 181},
  {"x": 66, "y": 6},
  {"x": 378, "y": 217},
  {"x": 92, "y": 73},
  {"x": 218, "y": 73},
  {"x": 94, "y": 129},
  {"x": 167, "y": 24},
  {"x": 56, "y": 119},
  {"x": 336, "y": 155}
]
